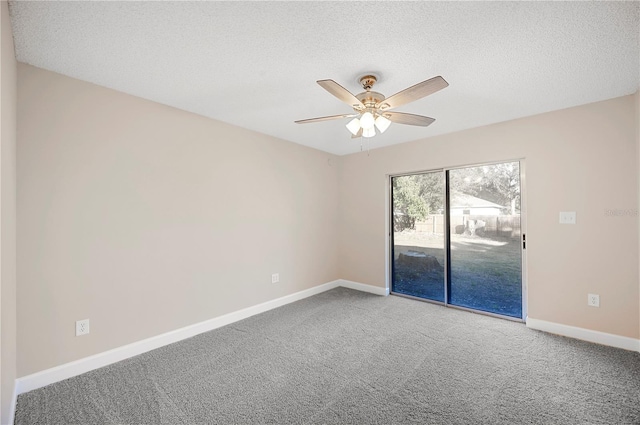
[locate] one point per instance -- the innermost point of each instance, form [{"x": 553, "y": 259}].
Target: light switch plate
[{"x": 567, "y": 217}]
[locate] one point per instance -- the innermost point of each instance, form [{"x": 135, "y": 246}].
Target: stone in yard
[{"x": 419, "y": 261}]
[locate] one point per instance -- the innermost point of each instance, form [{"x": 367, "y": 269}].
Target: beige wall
[
  {"x": 145, "y": 218},
  {"x": 581, "y": 159},
  {"x": 8, "y": 93}
]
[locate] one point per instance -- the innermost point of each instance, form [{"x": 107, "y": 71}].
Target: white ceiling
[{"x": 254, "y": 64}]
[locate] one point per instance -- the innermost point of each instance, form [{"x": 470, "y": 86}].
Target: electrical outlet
[
  {"x": 82, "y": 327},
  {"x": 275, "y": 278},
  {"x": 593, "y": 300}
]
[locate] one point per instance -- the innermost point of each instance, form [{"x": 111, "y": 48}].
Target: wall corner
[{"x": 8, "y": 320}]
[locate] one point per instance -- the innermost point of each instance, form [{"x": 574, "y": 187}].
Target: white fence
[{"x": 495, "y": 225}]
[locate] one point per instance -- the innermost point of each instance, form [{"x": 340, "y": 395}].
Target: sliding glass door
[
  {"x": 418, "y": 235},
  {"x": 485, "y": 256},
  {"x": 457, "y": 237}
]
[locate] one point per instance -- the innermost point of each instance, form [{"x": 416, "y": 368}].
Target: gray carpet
[{"x": 346, "y": 357}]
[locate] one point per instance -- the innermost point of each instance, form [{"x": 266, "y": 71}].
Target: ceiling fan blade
[
  {"x": 341, "y": 93},
  {"x": 355, "y": 136},
  {"x": 410, "y": 119},
  {"x": 331, "y": 117},
  {"x": 416, "y": 92}
]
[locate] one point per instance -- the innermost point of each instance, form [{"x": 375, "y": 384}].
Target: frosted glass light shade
[
  {"x": 354, "y": 126},
  {"x": 368, "y": 132},
  {"x": 367, "y": 121},
  {"x": 382, "y": 123}
]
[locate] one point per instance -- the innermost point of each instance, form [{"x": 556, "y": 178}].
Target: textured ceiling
[{"x": 254, "y": 64}]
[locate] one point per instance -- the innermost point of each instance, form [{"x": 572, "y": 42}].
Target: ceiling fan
[{"x": 372, "y": 110}]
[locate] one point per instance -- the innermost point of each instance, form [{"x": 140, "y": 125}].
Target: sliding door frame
[{"x": 389, "y": 251}]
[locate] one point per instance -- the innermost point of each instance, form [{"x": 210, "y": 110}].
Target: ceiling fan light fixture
[
  {"x": 368, "y": 132},
  {"x": 367, "y": 121},
  {"x": 382, "y": 123},
  {"x": 354, "y": 126}
]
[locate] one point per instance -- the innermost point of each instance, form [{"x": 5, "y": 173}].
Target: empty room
[{"x": 230, "y": 212}]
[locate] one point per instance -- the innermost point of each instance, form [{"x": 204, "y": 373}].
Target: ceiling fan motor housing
[{"x": 370, "y": 98}]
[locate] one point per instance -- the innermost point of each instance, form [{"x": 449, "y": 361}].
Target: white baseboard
[
  {"x": 77, "y": 367},
  {"x": 598, "y": 337},
  {"x": 362, "y": 287}
]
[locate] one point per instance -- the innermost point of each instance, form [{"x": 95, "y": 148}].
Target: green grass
[{"x": 486, "y": 273}]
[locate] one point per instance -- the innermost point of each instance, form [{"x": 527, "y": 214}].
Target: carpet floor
[{"x": 347, "y": 357}]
